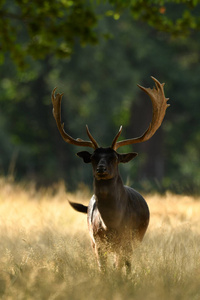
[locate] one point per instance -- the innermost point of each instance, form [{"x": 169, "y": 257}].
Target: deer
[{"x": 117, "y": 215}]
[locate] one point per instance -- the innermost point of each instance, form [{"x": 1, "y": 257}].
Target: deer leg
[
  {"x": 122, "y": 260},
  {"x": 119, "y": 261},
  {"x": 101, "y": 256},
  {"x": 128, "y": 266}
]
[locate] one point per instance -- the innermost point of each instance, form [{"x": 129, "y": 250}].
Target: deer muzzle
[{"x": 101, "y": 169}]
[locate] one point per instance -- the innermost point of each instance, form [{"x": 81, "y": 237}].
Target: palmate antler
[
  {"x": 56, "y": 100},
  {"x": 159, "y": 103}
]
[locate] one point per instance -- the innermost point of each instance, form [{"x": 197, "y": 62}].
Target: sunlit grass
[{"x": 45, "y": 249}]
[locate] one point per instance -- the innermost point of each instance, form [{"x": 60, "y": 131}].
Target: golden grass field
[{"x": 45, "y": 250}]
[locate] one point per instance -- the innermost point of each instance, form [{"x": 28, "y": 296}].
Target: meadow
[{"x": 45, "y": 250}]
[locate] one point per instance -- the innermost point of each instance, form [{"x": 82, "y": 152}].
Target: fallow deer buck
[{"x": 117, "y": 215}]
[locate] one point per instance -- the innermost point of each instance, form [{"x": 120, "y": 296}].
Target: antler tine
[
  {"x": 91, "y": 138},
  {"x": 116, "y": 138},
  {"x": 159, "y": 103},
  {"x": 56, "y": 101}
]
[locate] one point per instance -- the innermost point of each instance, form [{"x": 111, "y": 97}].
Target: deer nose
[{"x": 101, "y": 169}]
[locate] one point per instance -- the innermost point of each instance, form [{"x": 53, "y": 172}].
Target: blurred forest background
[{"x": 96, "y": 52}]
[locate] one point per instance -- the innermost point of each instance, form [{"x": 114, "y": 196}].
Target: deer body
[
  {"x": 118, "y": 206},
  {"x": 119, "y": 225},
  {"x": 118, "y": 216}
]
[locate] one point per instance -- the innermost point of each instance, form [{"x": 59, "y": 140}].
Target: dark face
[{"x": 105, "y": 162}]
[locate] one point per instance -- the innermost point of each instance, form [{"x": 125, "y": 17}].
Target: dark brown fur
[{"x": 118, "y": 216}]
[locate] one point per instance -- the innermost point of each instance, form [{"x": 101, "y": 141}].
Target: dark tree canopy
[{"x": 40, "y": 28}]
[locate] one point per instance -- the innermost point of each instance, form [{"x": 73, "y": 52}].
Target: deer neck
[{"x": 110, "y": 199}]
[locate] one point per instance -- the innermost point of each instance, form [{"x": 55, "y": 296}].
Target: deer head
[{"x": 105, "y": 162}]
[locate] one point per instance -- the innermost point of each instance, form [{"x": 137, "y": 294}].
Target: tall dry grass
[{"x": 45, "y": 249}]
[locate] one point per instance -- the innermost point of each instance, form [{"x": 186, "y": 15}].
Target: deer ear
[
  {"x": 86, "y": 156},
  {"x": 126, "y": 157}
]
